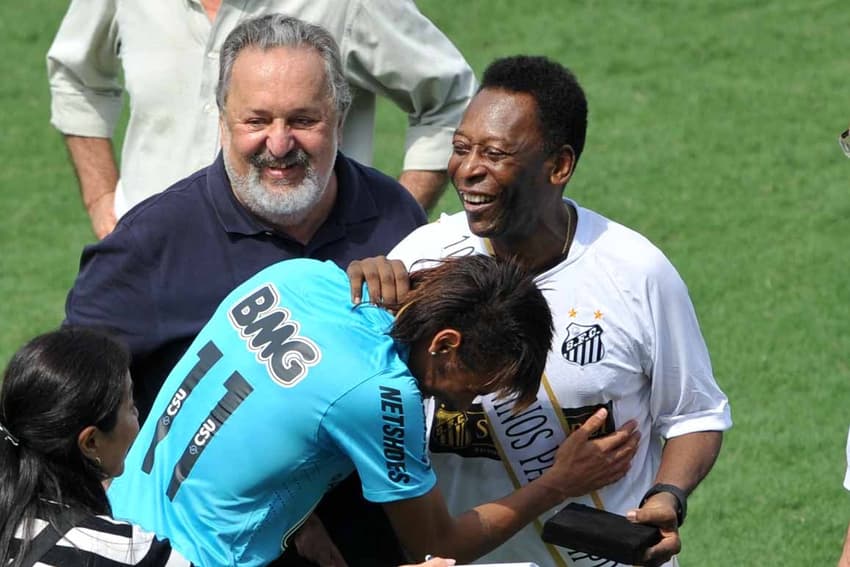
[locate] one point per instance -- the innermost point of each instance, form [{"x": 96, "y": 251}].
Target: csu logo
[
  {"x": 583, "y": 344},
  {"x": 272, "y": 335}
]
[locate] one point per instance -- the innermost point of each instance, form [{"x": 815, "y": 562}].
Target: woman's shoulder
[{"x": 100, "y": 541}]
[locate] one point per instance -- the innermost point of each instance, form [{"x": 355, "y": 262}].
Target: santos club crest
[{"x": 583, "y": 344}]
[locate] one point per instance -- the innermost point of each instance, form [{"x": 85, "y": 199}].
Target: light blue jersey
[{"x": 285, "y": 391}]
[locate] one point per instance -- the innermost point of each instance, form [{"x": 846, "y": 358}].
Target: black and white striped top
[{"x": 99, "y": 541}]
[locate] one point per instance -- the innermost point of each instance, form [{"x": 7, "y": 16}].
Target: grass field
[{"x": 712, "y": 131}]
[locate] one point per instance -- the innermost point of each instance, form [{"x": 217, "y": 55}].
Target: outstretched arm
[{"x": 424, "y": 525}]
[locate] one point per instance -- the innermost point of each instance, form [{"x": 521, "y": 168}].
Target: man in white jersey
[
  {"x": 844, "y": 560},
  {"x": 627, "y": 338}
]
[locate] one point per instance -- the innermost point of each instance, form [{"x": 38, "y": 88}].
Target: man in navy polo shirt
[{"x": 279, "y": 189}]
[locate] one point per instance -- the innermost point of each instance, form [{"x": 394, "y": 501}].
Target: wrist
[
  {"x": 556, "y": 492},
  {"x": 680, "y": 499},
  {"x": 89, "y": 204}
]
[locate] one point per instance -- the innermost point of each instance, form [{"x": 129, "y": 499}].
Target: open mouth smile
[{"x": 476, "y": 198}]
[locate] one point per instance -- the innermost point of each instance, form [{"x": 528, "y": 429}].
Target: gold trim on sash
[
  {"x": 559, "y": 559},
  {"x": 594, "y": 495},
  {"x": 554, "y": 408},
  {"x": 501, "y": 422}
]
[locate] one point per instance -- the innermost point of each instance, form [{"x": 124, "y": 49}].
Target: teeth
[{"x": 477, "y": 199}]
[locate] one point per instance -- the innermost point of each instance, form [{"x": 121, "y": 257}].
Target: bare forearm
[
  {"x": 97, "y": 173},
  {"x": 684, "y": 463},
  {"x": 95, "y": 166},
  {"x": 475, "y": 532},
  {"x": 687, "y": 459},
  {"x": 487, "y": 526},
  {"x": 425, "y": 186},
  {"x": 424, "y": 525}
]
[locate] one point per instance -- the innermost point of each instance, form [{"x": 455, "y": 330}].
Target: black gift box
[{"x": 600, "y": 533}]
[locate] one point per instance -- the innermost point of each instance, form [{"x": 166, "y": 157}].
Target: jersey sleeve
[
  {"x": 380, "y": 425},
  {"x": 685, "y": 397},
  {"x": 847, "y": 470}
]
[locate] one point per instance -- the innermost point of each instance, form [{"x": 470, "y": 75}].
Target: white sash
[{"x": 527, "y": 443}]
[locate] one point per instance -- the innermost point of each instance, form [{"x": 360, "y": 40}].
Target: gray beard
[{"x": 286, "y": 207}]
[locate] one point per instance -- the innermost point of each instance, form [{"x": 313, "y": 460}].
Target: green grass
[{"x": 712, "y": 131}]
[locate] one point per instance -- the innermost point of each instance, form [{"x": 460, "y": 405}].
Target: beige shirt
[{"x": 168, "y": 54}]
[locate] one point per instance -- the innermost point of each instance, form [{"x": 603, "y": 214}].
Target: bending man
[{"x": 289, "y": 388}]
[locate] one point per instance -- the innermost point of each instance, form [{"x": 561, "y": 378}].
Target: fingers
[
  {"x": 395, "y": 283},
  {"x": 355, "y": 281},
  {"x": 662, "y": 513},
  {"x": 593, "y": 423},
  {"x": 434, "y": 562},
  {"x": 662, "y": 551},
  {"x": 386, "y": 280},
  {"x": 659, "y": 510},
  {"x": 627, "y": 438}
]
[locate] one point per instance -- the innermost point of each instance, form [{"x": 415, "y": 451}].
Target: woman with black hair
[{"x": 67, "y": 419}]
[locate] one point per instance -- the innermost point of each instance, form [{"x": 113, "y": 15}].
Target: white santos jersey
[
  {"x": 847, "y": 471},
  {"x": 626, "y": 338}
]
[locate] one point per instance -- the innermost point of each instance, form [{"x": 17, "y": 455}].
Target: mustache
[{"x": 295, "y": 157}]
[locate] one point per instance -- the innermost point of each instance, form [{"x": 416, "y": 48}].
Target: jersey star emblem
[{"x": 597, "y": 314}]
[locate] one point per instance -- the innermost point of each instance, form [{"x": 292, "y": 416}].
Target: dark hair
[
  {"x": 277, "y": 30},
  {"x": 55, "y": 386},
  {"x": 561, "y": 104},
  {"x": 503, "y": 317}
]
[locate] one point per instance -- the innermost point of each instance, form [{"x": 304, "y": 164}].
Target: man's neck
[
  {"x": 211, "y": 8},
  {"x": 543, "y": 248}
]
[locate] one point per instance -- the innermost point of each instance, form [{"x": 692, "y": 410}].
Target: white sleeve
[
  {"x": 685, "y": 397},
  {"x": 391, "y": 49},
  {"x": 83, "y": 69},
  {"x": 420, "y": 246},
  {"x": 847, "y": 471},
  {"x": 409, "y": 250}
]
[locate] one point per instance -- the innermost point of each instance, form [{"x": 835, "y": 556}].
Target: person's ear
[
  {"x": 562, "y": 165},
  {"x": 445, "y": 341},
  {"x": 88, "y": 442},
  {"x": 339, "y": 130},
  {"x": 222, "y": 128}
]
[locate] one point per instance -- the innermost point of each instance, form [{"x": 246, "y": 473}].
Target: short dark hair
[
  {"x": 503, "y": 317},
  {"x": 55, "y": 386},
  {"x": 561, "y": 104}
]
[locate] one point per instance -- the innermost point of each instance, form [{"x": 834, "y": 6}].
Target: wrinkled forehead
[{"x": 499, "y": 113}]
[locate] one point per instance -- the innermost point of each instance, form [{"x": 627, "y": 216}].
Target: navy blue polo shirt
[{"x": 162, "y": 272}]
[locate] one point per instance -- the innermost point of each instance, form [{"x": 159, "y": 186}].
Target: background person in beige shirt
[{"x": 167, "y": 55}]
